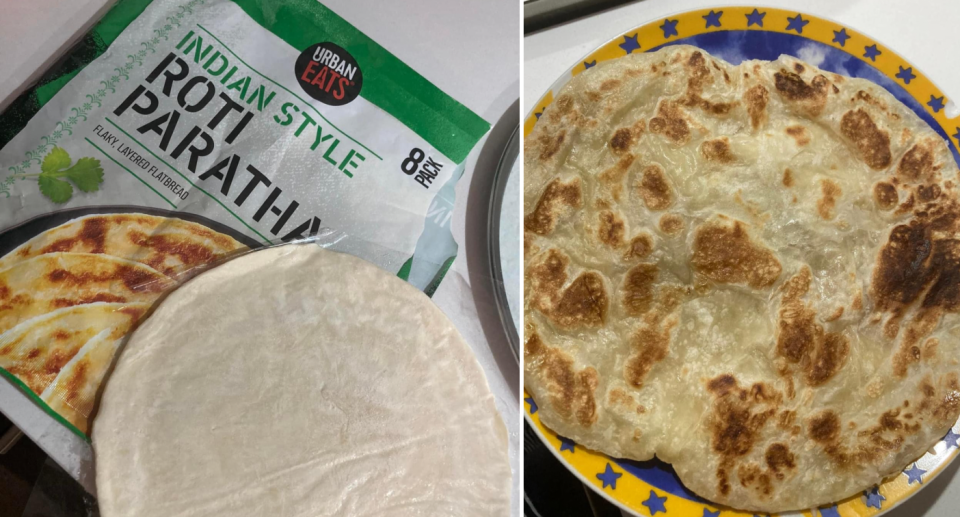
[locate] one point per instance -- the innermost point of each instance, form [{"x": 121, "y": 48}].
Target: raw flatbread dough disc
[{"x": 299, "y": 382}]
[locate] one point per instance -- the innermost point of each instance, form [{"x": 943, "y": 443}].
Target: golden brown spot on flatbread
[
  {"x": 837, "y": 314},
  {"x": 16, "y": 302},
  {"x": 779, "y": 459},
  {"x": 76, "y": 381},
  {"x": 824, "y": 427},
  {"x": 654, "y": 188},
  {"x": 637, "y": 288},
  {"x": 651, "y": 345},
  {"x": 582, "y": 304},
  {"x": 872, "y": 142},
  {"x": 550, "y": 146},
  {"x": 786, "y": 419},
  {"x": 4, "y": 291},
  {"x": 812, "y": 97},
  {"x": 928, "y": 193},
  {"x": 609, "y": 84},
  {"x": 736, "y": 422},
  {"x": 756, "y": 99},
  {"x": 798, "y": 68},
  {"x": 885, "y": 196},
  {"x": 91, "y": 238},
  {"x": 787, "y": 178},
  {"x": 829, "y": 191},
  {"x": 611, "y": 229},
  {"x": 671, "y": 224},
  {"x": 917, "y": 163},
  {"x": 99, "y": 297},
  {"x": 162, "y": 246},
  {"x": 799, "y": 134},
  {"x": 671, "y": 123},
  {"x": 751, "y": 476},
  {"x": 571, "y": 392},
  {"x": 641, "y": 245},
  {"x": 801, "y": 340},
  {"x": 553, "y": 202},
  {"x": 724, "y": 252},
  {"x": 718, "y": 150},
  {"x": 909, "y": 351},
  {"x": 624, "y": 137},
  {"x": 612, "y": 178}
]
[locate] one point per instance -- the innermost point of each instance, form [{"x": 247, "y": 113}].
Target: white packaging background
[{"x": 469, "y": 49}]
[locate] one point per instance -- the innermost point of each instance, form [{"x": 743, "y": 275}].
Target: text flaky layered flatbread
[
  {"x": 171, "y": 246},
  {"x": 751, "y": 272},
  {"x": 37, "y": 349},
  {"x": 45, "y": 283}
]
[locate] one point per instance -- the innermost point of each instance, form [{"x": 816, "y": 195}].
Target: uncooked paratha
[
  {"x": 751, "y": 272},
  {"x": 296, "y": 381}
]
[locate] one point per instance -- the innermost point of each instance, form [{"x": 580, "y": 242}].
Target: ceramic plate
[{"x": 735, "y": 34}]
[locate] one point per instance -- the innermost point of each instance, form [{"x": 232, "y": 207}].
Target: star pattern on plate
[
  {"x": 630, "y": 43},
  {"x": 957, "y": 134},
  {"x": 708, "y": 513},
  {"x": 713, "y": 19},
  {"x": 609, "y": 477},
  {"x": 590, "y": 64},
  {"x": 669, "y": 28},
  {"x": 655, "y": 503},
  {"x": 755, "y": 18},
  {"x": 830, "y": 511},
  {"x": 906, "y": 74},
  {"x": 873, "y": 498},
  {"x": 566, "y": 444},
  {"x": 871, "y": 52},
  {"x": 914, "y": 474},
  {"x": 797, "y": 23},
  {"x": 936, "y": 104},
  {"x": 840, "y": 37},
  {"x": 529, "y": 400},
  {"x": 952, "y": 438}
]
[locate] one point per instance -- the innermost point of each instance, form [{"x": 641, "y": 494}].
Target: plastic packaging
[{"x": 178, "y": 134}]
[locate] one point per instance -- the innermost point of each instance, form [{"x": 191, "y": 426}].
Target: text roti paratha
[
  {"x": 751, "y": 272},
  {"x": 296, "y": 381}
]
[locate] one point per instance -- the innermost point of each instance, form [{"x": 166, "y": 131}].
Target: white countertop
[
  {"x": 469, "y": 48},
  {"x": 922, "y": 31}
]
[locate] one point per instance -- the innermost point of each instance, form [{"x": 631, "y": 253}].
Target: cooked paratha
[
  {"x": 38, "y": 348},
  {"x": 171, "y": 246},
  {"x": 73, "y": 392},
  {"x": 751, "y": 272},
  {"x": 53, "y": 281}
]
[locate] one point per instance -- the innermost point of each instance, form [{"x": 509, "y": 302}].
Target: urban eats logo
[{"x": 329, "y": 74}]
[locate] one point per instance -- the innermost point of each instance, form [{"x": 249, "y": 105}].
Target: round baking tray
[{"x": 504, "y": 234}]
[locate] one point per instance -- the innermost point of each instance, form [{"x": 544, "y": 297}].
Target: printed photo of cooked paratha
[
  {"x": 751, "y": 272},
  {"x": 69, "y": 296}
]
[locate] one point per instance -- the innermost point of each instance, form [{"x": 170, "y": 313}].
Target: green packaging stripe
[{"x": 389, "y": 84}]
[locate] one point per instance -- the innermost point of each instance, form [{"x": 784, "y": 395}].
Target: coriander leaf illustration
[
  {"x": 86, "y": 174},
  {"x": 58, "y": 191},
  {"x": 55, "y": 170},
  {"x": 55, "y": 160}
]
